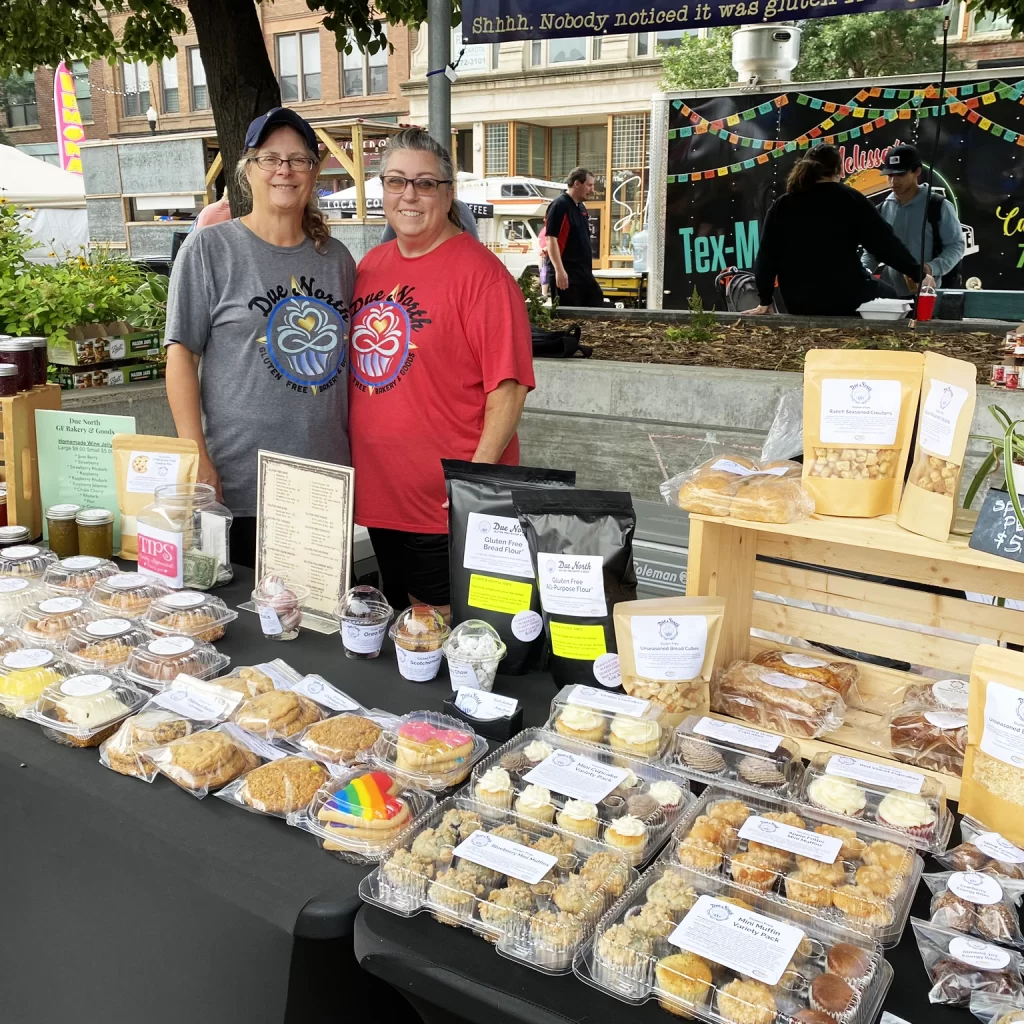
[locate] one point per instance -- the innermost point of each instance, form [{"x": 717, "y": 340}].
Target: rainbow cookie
[
  {"x": 366, "y": 807},
  {"x": 423, "y": 747}
]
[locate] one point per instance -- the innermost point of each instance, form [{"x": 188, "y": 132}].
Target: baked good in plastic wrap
[
  {"x": 840, "y": 676},
  {"x": 960, "y": 966},
  {"x": 435, "y": 751},
  {"x": 159, "y": 662},
  {"x": 48, "y": 622},
  {"x": 531, "y": 889},
  {"x": 127, "y": 594},
  {"x": 277, "y": 714},
  {"x": 17, "y": 592},
  {"x": 926, "y": 736},
  {"x": 10, "y": 641},
  {"x": 362, "y": 815},
  {"x": 205, "y": 760},
  {"x": 125, "y": 751},
  {"x": 985, "y": 851},
  {"x": 991, "y": 1009},
  {"x": 643, "y": 950},
  {"x": 189, "y": 613},
  {"x": 103, "y": 643},
  {"x": 26, "y": 561},
  {"x": 941, "y": 694},
  {"x": 77, "y": 575},
  {"x": 284, "y": 785},
  {"x": 252, "y": 680},
  {"x": 343, "y": 739},
  {"x": 25, "y": 674},
  {"x": 977, "y": 904},
  {"x": 736, "y": 486},
  {"x": 776, "y": 700}
]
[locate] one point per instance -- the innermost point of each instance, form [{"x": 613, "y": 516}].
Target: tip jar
[{"x": 363, "y": 616}]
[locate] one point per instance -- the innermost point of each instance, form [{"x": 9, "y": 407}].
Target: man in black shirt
[{"x": 569, "y": 243}]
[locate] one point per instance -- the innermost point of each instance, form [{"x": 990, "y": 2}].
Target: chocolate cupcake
[
  {"x": 813, "y": 1017},
  {"x": 831, "y": 995},
  {"x": 761, "y": 773},
  {"x": 701, "y": 756}
]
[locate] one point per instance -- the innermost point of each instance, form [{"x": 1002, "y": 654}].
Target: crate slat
[{"x": 21, "y": 457}]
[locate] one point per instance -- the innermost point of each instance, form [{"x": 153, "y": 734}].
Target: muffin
[
  {"x": 752, "y": 870},
  {"x": 638, "y": 737},
  {"x": 908, "y": 813},
  {"x": 848, "y": 962},
  {"x": 579, "y": 816},
  {"x": 557, "y": 933},
  {"x": 558, "y": 846},
  {"x": 733, "y": 812},
  {"x": 505, "y": 908},
  {"x": 624, "y": 949},
  {"x": 407, "y": 871},
  {"x": 534, "y": 805},
  {"x": 874, "y": 879},
  {"x": 628, "y": 834},
  {"x": 701, "y": 854},
  {"x": 455, "y": 891},
  {"x": 809, "y": 889},
  {"x": 606, "y": 870},
  {"x": 435, "y": 844},
  {"x": 572, "y": 895},
  {"x": 812, "y": 1017},
  {"x": 861, "y": 906},
  {"x": 852, "y": 849},
  {"x": 832, "y": 874},
  {"x": 832, "y": 995},
  {"x": 892, "y": 858},
  {"x": 682, "y": 981},
  {"x": 746, "y": 1002},
  {"x": 673, "y": 892},
  {"x": 494, "y": 788},
  {"x": 786, "y": 818},
  {"x": 714, "y": 830},
  {"x": 840, "y": 796},
  {"x": 580, "y": 723},
  {"x": 464, "y": 823},
  {"x": 654, "y": 920}
]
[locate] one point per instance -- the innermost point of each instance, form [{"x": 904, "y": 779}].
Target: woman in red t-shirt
[{"x": 441, "y": 362}]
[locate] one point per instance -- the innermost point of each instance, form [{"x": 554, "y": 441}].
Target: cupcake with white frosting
[
  {"x": 494, "y": 788},
  {"x": 579, "y": 816}
]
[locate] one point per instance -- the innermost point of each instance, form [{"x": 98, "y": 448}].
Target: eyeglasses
[
  {"x": 296, "y": 163},
  {"x": 424, "y": 186}
]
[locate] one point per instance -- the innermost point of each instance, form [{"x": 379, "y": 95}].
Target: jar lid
[
  {"x": 60, "y": 511},
  {"x": 37, "y": 341},
  {"x": 8, "y": 369},
  {"x": 17, "y": 345},
  {"x": 94, "y": 517},
  {"x": 13, "y": 534}
]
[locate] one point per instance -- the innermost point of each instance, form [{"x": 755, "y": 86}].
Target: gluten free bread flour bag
[
  {"x": 142, "y": 463},
  {"x": 859, "y": 409},
  {"x": 491, "y": 572},
  {"x": 581, "y": 544},
  {"x": 993, "y": 783},
  {"x": 948, "y": 394}
]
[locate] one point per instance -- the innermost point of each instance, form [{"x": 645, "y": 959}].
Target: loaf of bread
[{"x": 836, "y": 675}]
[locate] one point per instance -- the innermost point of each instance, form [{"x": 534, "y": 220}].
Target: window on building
[
  {"x": 523, "y": 149},
  {"x": 352, "y": 68},
  {"x": 629, "y": 180},
  {"x": 536, "y": 53},
  {"x": 298, "y": 66},
  {"x": 197, "y": 73},
  {"x": 562, "y": 51},
  {"x": 984, "y": 24},
  {"x": 464, "y": 150},
  {"x": 648, "y": 43},
  {"x": 83, "y": 88},
  {"x": 496, "y": 150},
  {"x": 585, "y": 146},
  {"x": 135, "y": 86},
  {"x": 495, "y": 54},
  {"x": 364, "y": 74},
  {"x": 169, "y": 83},
  {"x": 595, "y": 44},
  {"x": 310, "y": 50},
  {"x": 377, "y": 66},
  {"x": 538, "y": 151},
  {"x": 21, "y": 99}
]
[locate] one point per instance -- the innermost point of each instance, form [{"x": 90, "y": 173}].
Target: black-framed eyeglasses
[
  {"x": 396, "y": 184},
  {"x": 269, "y": 162}
]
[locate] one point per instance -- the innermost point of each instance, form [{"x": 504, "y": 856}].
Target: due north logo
[{"x": 572, "y": 565}]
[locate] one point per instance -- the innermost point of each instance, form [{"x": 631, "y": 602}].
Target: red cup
[{"x": 925, "y": 305}]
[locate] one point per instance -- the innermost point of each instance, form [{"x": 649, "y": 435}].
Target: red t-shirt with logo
[{"x": 431, "y": 336}]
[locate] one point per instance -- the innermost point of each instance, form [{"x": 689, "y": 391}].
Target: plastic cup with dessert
[
  {"x": 363, "y": 615},
  {"x": 419, "y": 633},
  {"x": 279, "y": 605},
  {"x": 474, "y": 650}
]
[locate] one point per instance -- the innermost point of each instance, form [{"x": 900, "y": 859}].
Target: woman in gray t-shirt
[{"x": 257, "y": 326}]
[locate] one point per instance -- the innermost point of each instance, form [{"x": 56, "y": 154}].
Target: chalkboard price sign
[{"x": 998, "y": 530}]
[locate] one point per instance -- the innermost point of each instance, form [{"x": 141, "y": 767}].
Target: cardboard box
[
  {"x": 109, "y": 376},
  {"x": 87, "y": 344}
]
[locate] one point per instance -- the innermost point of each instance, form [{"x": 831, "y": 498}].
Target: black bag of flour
[
  {"x": 491, "y": 570},
  {"x": 581, "y": 543}
]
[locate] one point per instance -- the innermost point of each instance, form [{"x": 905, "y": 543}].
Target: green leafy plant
[
  {"x": 701, "y": 325},
  {"x": 1008, "y": 451},
  {"x": 536, "y": 305}
]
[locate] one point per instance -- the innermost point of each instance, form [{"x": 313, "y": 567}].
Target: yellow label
[
  {"x": 583, "y": 643},
  {"x": 495, "y": 595}
]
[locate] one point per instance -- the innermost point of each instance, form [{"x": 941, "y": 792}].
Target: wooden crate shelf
[
  {"x": 728, "y": 559},
  {"x": 20, "y": 469}
]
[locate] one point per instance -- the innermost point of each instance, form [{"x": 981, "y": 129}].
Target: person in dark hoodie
[{"x": 811, "y": 240}]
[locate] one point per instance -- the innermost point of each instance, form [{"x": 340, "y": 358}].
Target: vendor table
[{"x": 123, "y": 902}]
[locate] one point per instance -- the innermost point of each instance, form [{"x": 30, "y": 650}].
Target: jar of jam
[
  {"x": 18, "y": 352},
  {"x": 12, "y": 535},
  {"x": 62, "y": 530},
  {"x": 10, "y": 378},
  {"x": 39, "y": 360},
  {"x": 96, "y": 532}
]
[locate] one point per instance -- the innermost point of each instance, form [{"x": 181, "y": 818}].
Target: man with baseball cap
[{"x": 904, "y": 208}]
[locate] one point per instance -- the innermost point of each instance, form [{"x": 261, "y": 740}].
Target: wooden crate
[
  {"x": 20, "y": 468},
  {"x": 727, "y": 558}
]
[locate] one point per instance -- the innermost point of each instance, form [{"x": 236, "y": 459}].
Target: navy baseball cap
[
  {"x": 275, "y": 117},
  {"x": 900, "y": 159}
]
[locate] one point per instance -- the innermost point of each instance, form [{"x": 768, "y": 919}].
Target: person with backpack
[{"x": 903, "y": 209}]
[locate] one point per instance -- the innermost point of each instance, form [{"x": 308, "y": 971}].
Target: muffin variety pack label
[
  {"x": 739, "y": 734},
  {"x": 1003, "y": 734},
  {"x": 572, "y": 584},
  {"x": 939, "y": 415},
  {"x": 490, "y": 851},
  {"x": 496, "y": 544},
  {"x": 742, "y": 940},
  {"x": 993, "y": 845},
  {"x": 793, "y": 840},
  {"x": 874, "y": 774},
  {"x": 576, "y": 776},
  {"x": 979, "y": 954},
  {"x": 669, "y": 646},
  {"x": 601, "y": 700},
  {"x": 862, "y": 412}
]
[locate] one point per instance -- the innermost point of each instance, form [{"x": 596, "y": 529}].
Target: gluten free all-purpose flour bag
[
  {"x": 491, "y": 571},
  {"x": 581, "y": 544}
]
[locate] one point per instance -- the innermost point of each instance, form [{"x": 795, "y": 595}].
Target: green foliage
[
  {"x": 1007, "y": 451},
  {"x": 536, "y": 306},
  {"x": 1014, "y": 10},
  {"x": 701, "y": 326},
  {"x": 699, "y": 63}
]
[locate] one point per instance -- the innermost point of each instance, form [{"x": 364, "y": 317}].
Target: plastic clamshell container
[
  {"x": 26, "y": 560},
  {"x": 103, "y": 643},
  {"x": 9, "y": 640},
  {"x": 625, "y": 725},
  {"x": 433, "y": 750},
  {"x": 17, "y": 593},
  {"x": 157, "y": 663},
  {"x": 630, "y": 955},
  {"x": 884, "y": 309},
  {"x": 48, "y": 622},
  {"x": 541, "y": 923},
  {"x": 877, "y": 905},
  {"x": 128, "y": 593},
  {"x": 25, "y": 674},
  {"x": 351, "y": 814},
  {"x": 85, "y": 708},
  {"x": 899, "y": 796},
  {"x": 737, "y": 757},
  {"x": 189, "y": 613},
  {"x": 658, "y": 819},
  {"x": 78, "y": 574}
]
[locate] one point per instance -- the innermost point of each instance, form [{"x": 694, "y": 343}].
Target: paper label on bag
[
  {"x": 607, "y": 670},
  {"x": 793, "y": 840},
  {"x": 496, "y": 544},
  {"x": 108, "y": 627},
  {"x": 939, "y": 414},
  {"x": 669, "y": 646},
  {"x": 418, "y": 666},
  {"x": 60, "y": 604},
  {"x": 744, "y": 941},
  {"x": 494, "y": 594},
  {"x": 171, "y": 645},
  {"x": 979, "y": 954},
  {"x": 576, "y": 776},
  {"x": 256, "y": 744},
  {"x": 484, "y": 705},
  {"x": 197, "y": 705},
  {"x": 975, "y": 887},
  {"x": 10, "y": 585},
  {"x": 728, "y": 466},
  {"x": 85, "y": 685},
  {"x": 591, "y": 697},
  {"x": 741, "y": 734},
  {"x": 149, "y": 470},
  {"x": 317, "y": 688},
  {"x": 572, "y": 584},
  {"x": 874, "y": 774},
  {"x": 506, "y": 857},
  {"x": 161, "y": 554},
  {"x": 945, "y": 720},
  {"x": 362, "y": 639},
  {"x": 270, "y": 622},
  {"x": 1003, "y": 734},
  {"x": 81, "y": 562},
  {"x": 183, "y": 599},
  {"x": 580, "y": 643},
  {"x": 783, "y": 681},
  {"x": 993, "y": 845},
  {"x": 860, "y": 412},
  {"x": 462, "y": 674},
  {"x": 28, "y": 659},
  {"x": 526, "y": 626},
  {"x": 952, "y": 693},
  {"x": 803, "y": 661}
]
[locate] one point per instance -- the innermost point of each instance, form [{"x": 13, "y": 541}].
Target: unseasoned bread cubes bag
[
  {"x": 948, "y": 394},
  {"x": 859, "y": 408}
]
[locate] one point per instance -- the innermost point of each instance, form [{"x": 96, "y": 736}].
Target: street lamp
[{"x": 151, "y": 116}]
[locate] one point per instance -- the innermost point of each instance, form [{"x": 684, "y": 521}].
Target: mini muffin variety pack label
[
  {"x": 886, "y": 776},
  {"x": 793, "y": 840},
  {"x": 506, "y": 857},
  {"x": 576, "y": 776}
]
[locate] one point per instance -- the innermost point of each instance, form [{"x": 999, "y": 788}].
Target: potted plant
[{"x": 1007, "y": 451}]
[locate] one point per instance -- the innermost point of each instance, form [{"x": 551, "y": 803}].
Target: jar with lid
[
  {"x": 10, "y": 378},
  {"x": 184, "y": 537},
  {"x": 18, "y": 352},
  {"x": 95, "y": 532},
  {"x": 12, "y": 535},
  {"x": 39, "y": 360},
  {"x": 61, "y": 529}
]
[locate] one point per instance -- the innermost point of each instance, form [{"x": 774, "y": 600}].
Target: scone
[
  {"x": 341, "y": 739},
  {"x": 282, "y": 786},
  {"x": 206, "y": 760},
  {"x": 277, "y": 713}
]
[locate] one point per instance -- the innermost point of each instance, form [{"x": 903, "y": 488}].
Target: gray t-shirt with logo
[{"x": 271, "y": 326}]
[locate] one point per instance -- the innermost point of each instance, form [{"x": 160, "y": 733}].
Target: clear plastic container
[
  {"x": 985, "y": 851},
  {"x": 127, "y": 593},
  {"x": 535, "y": 916},
  {"x": 829, "y": 877},
  {"x": 48, "y": 623},
  {"x": 125, "y": 751},
  {"x": 24, "y": 674},
  {"x": 737, "y": 757},
  {"x": 363, "y": 816},
  {"x": 345, "y": 739},
  {"x": 628, "y": 726},
  {"x": 435, "y": 751},
  {"x": 204, "y": 761},
  {"x": 474, "y": 650},
  {"x": 159, "y": 662},
  {"x": 602, "y": 788},
  {"x": 84, "y": 709},
  {"x": 189, "y": 613},
  {"x": 277, "y": 714},
  {"x": 17, "y": 593},
  {"x": 736, "y": 976},
  {"x": 76, "y": 576},
  {"x": 419, "y": 633},
  {"x": 25, "y": 560},
  {"x": 279, "y": 605},
  {"x": 363, "y": 615},
  {"x": 285, "y": 785},
  {"x": 896, "y": 799},
  {"x": 103, "y": 643},
  {"x": 9, "y": 641}
]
